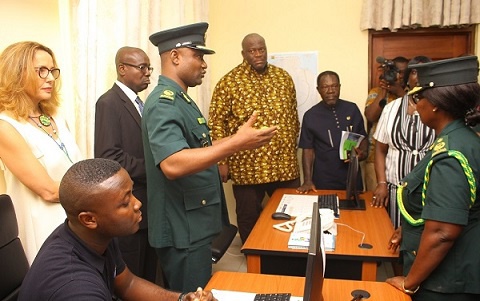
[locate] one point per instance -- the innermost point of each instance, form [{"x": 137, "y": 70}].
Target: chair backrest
[
  {"x": 13, "y": 261},
  {"x": 223, "y": 240}
]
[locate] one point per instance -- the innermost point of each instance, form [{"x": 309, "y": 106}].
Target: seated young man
[{"x": 81, "y": 260}]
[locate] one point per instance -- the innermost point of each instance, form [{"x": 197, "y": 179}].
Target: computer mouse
[{"x": 281, "y": 215}]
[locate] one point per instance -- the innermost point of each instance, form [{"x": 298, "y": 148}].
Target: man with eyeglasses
[
  {"x": 321, "y": 133},
  {"x": 268, "y": 89},
  {"x": 118, "y": 136}
]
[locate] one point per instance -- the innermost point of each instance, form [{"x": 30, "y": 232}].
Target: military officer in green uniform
[
  {"x": 187, "y": 206},
  {"x": 439, "y": 199}
]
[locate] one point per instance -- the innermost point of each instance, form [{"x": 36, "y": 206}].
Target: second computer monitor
[
  {"x": 352, "y": 201},
  {"x": 314, "y": 272}
]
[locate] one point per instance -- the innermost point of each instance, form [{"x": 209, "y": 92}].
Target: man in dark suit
[{"x": 118, "y": 137}]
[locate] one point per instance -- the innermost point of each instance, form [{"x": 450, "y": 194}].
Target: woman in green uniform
[{"x": 439, "y": 198}]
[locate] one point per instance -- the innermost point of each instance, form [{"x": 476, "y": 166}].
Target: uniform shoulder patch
[
  {"x": 167, "y": 94},
  {"x": 440, "y": 146}
]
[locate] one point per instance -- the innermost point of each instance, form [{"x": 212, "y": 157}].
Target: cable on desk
[{"x": 363, "y": 234}]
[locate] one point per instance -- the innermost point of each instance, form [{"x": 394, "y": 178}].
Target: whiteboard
[{"x": 302, "y": 67}]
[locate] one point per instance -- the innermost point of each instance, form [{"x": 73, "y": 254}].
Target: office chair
[
  {"x": 223, "y": 240},
  {"x": 13, "y": 261}
]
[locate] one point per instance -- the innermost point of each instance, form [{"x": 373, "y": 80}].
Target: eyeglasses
[
  {"x": 417, "y": 97},
  {"x": 334, "y": 87},
  {"x": 142, "y": 68},
  {"x": 43, "y": 72}
]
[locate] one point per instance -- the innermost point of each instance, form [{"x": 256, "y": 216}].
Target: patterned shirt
[
  {"x": 272, "y": 94},
  {"x": 372, "y": 94}
]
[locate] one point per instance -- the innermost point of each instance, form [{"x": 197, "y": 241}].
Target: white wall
[{"x": 29, "y": 20}]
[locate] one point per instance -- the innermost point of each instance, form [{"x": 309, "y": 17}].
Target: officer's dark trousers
[{"x": 186, "y": 269}]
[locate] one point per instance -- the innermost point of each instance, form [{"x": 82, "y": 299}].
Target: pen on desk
[
  {"x": 284, "y": 208},
  {"x": 330, "y": 137}
]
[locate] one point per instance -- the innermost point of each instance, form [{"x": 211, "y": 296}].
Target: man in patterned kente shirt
[{"x": 255, "y": 85}]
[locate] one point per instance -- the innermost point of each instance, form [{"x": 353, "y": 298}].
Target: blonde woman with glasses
[{"x": 36, "y": 147}]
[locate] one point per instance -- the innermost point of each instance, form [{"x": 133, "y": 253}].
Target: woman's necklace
[{"x": 46, "y": 121}]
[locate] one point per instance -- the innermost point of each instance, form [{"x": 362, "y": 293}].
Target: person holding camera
[
  {"x": 390, "y": 88},
  {"x": 402, "y": 140}
]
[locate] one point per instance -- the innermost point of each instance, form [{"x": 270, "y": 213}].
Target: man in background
[
  {"x": 118, "y": 136},
  {"x": 255, "y": 85},
  {"x": 187, "y": 206},
  {"x": 378, "y": 97},
  {"x": 322, "y": 128}
]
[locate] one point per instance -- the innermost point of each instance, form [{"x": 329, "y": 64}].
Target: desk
[
  {"x": 333, "y": 289},
  {"x": 269, "y": 245}
]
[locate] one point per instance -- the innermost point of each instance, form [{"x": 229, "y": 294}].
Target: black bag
[{"x": 223, "y": 240}]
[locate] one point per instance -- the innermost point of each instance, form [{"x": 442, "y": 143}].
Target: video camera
[{"x": 390, "y": 71}]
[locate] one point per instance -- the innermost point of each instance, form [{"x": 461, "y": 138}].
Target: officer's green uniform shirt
[
  {"x": 188, "y": 211},
  {"x": 447, "y": 199}
]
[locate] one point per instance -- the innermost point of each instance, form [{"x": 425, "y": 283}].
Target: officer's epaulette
[
  {"x": 167, "y": 94},
  {"x": 440, "y": 146}
]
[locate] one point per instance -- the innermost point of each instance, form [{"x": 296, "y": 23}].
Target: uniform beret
[
  {"x": 190, "y": 36},
  {"x": 449, "y": 72}
]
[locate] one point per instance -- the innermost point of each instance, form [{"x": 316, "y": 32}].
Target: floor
[{"x": 234, "y": 261}]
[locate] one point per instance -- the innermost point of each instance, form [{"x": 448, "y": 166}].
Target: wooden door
[{"x": 435, "y": 43}]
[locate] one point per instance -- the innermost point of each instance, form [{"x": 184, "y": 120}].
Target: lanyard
[{"x": 467, "y": 171}]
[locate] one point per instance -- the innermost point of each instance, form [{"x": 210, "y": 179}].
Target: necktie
[{"x": 140, "y": 104}]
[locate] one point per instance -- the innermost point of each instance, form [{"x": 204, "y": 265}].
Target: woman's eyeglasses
[
  {"x": 43, "y": 72},
  {"x": 417, "y": 97}
]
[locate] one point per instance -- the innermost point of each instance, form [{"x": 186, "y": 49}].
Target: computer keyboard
[
  {"x": 273, "y": 297},
  {"x": 329, "y": 201}
]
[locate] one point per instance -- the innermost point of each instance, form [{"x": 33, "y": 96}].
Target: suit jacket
[{"x": 118, "y": 136}]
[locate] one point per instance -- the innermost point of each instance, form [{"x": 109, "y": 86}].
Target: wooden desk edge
[{"x": 333, "y": 289}]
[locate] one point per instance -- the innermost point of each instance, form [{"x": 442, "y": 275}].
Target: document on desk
[
  {"x": 300, "y": 236},
  {"x": 297, "y": 204},
  {"x": 224, "y": 295}
]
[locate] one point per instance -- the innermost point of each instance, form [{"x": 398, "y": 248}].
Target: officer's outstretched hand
[{"x": 249, "y": 137}]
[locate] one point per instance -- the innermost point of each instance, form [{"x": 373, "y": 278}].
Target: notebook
[{"x": 314, "y": 272}]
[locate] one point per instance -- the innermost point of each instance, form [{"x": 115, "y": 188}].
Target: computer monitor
[
  {"x": 352, "y": 201},
  {"x": 314, "y": 272}
]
